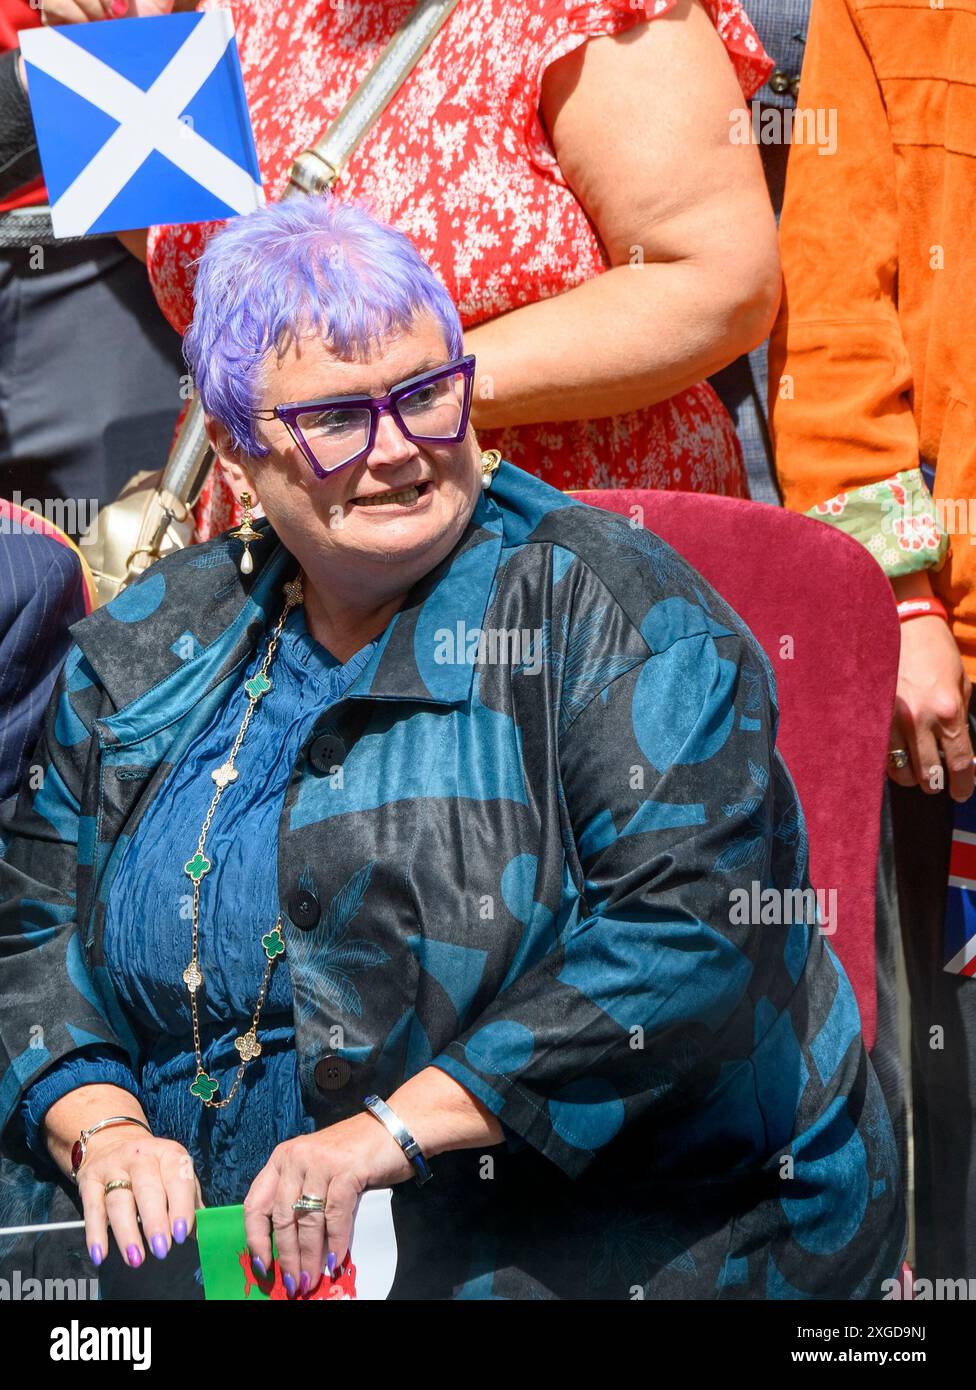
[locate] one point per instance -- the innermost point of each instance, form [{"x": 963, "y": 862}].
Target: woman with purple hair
[
  {"x": 566, "y": 167},
  {"x": 397, "y": 834}
]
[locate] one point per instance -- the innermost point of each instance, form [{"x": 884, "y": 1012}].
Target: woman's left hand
[{"x": 336, "y": 1164}]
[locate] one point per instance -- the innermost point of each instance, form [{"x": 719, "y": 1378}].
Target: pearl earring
[
  {"x": 490, "y": 459},
  {"x": 247, "y": 534}
]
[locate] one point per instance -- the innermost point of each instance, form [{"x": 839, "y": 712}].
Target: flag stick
[{"x": 44, "y": 1226}]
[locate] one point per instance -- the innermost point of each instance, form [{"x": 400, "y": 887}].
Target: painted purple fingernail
[
  {"x": 304, "y": 1282},
  {"x": 159, "y": 1247},
  {"x": 179, "y": 1231},
  {"x": 290, "y": 1286},
  {"x": 259, "y": 1265},
  {"x": 134, "y": 1255},
  {"x": 97, "y": 1255},
  {"x": 330, "y": 1263}
]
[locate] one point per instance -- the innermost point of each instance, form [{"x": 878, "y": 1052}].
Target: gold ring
[
  {"x": 898, "y": 757},
  {"x": 306, "y": 1203},
  {"x": 118, "y": 1185}
]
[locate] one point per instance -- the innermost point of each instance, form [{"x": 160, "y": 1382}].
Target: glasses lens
[
  {"x": 433, "y": 409},
  {"x": 334, "y": 435}
]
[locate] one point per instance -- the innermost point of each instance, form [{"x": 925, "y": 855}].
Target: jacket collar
[
  {"x": 168, "y": 639},
  {"x": 442, "y": 606}
]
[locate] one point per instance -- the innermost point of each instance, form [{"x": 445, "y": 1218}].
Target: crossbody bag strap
[{"x": 316, "y": 169}]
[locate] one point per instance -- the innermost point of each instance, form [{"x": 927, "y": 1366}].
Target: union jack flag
[{"x": 960, "y": 924}]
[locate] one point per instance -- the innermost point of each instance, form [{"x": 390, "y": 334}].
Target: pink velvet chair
[{"x": 793, "y": 578}]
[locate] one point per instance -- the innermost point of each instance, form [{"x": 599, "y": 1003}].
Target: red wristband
[{"x": 921, "y": 608}]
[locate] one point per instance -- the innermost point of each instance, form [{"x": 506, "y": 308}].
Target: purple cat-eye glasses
[{"x": 336, "y": 431}]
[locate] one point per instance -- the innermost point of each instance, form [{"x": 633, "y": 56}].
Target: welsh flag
[{"x": 228, "y": 1274}]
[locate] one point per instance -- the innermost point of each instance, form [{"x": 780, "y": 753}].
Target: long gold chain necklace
[{"x": 205, "y": 1086}]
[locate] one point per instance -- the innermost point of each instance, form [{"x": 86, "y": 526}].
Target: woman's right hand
[
  {"x": 165, "y": 1193},
  {"x": 931, "y": 711},
  {"x": 80, "y": 11}
]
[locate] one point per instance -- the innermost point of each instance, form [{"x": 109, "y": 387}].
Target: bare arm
[
  {"x": 79, "y": 1110},
  {"x": 135, "y": 241},
  {"x": 641, "y": 123},
  {"x": 441, "y": 1115}
]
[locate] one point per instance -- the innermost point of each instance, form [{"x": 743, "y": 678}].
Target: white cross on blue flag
[{"x": 141, "y": 121}]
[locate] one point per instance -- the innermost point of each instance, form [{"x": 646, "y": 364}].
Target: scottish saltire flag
[
  {"x": 141, "y": 121},
  {"x": 960, "y": 924}
]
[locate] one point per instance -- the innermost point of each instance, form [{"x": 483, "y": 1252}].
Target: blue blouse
[{"x": 148, "y": 933}]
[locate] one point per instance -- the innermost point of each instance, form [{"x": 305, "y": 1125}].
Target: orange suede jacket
[{"x": 873, "y": 358}]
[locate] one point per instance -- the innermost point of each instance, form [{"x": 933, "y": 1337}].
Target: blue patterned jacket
[{"x": 540, "y": 800}]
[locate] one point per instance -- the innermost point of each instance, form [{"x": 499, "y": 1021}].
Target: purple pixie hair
[{"x": 310, "y": 262}]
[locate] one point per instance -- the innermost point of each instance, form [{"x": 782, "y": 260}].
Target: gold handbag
[
  {"x": 153, "y": 514},
  {"x": 144, "y": 522}
]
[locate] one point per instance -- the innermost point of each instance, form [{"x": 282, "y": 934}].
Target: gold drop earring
[{"x": 247, "y": 534}]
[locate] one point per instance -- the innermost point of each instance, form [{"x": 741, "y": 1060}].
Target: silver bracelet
[{"x": 402, "y": 1135}]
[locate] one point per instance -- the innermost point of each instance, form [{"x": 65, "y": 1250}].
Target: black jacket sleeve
[{"x": 19, "y": 159}]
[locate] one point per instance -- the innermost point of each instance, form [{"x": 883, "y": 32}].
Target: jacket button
[
  {"x": 304, "y": 909},
  {"x": 332, "y": 1072},
  {"x": 781, "y": 82},
  {"x": 326, "y": 752}
]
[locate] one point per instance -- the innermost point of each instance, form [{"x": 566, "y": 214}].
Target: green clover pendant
[
  {"x": 273, "y": 944},
  {"x": 204, "y": 1087},
  {"x": 257, "y": 686},
  {"x": 197, "y": 866}
]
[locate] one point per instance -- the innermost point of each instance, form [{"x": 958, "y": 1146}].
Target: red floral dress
[{"x": 462, "y": 164}]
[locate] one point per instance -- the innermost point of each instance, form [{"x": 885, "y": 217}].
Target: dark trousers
[
  {"x": 886, "y": 1053},
  {"x": 943, "y": 1051},
  {"x": 90, "y": 375}
]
